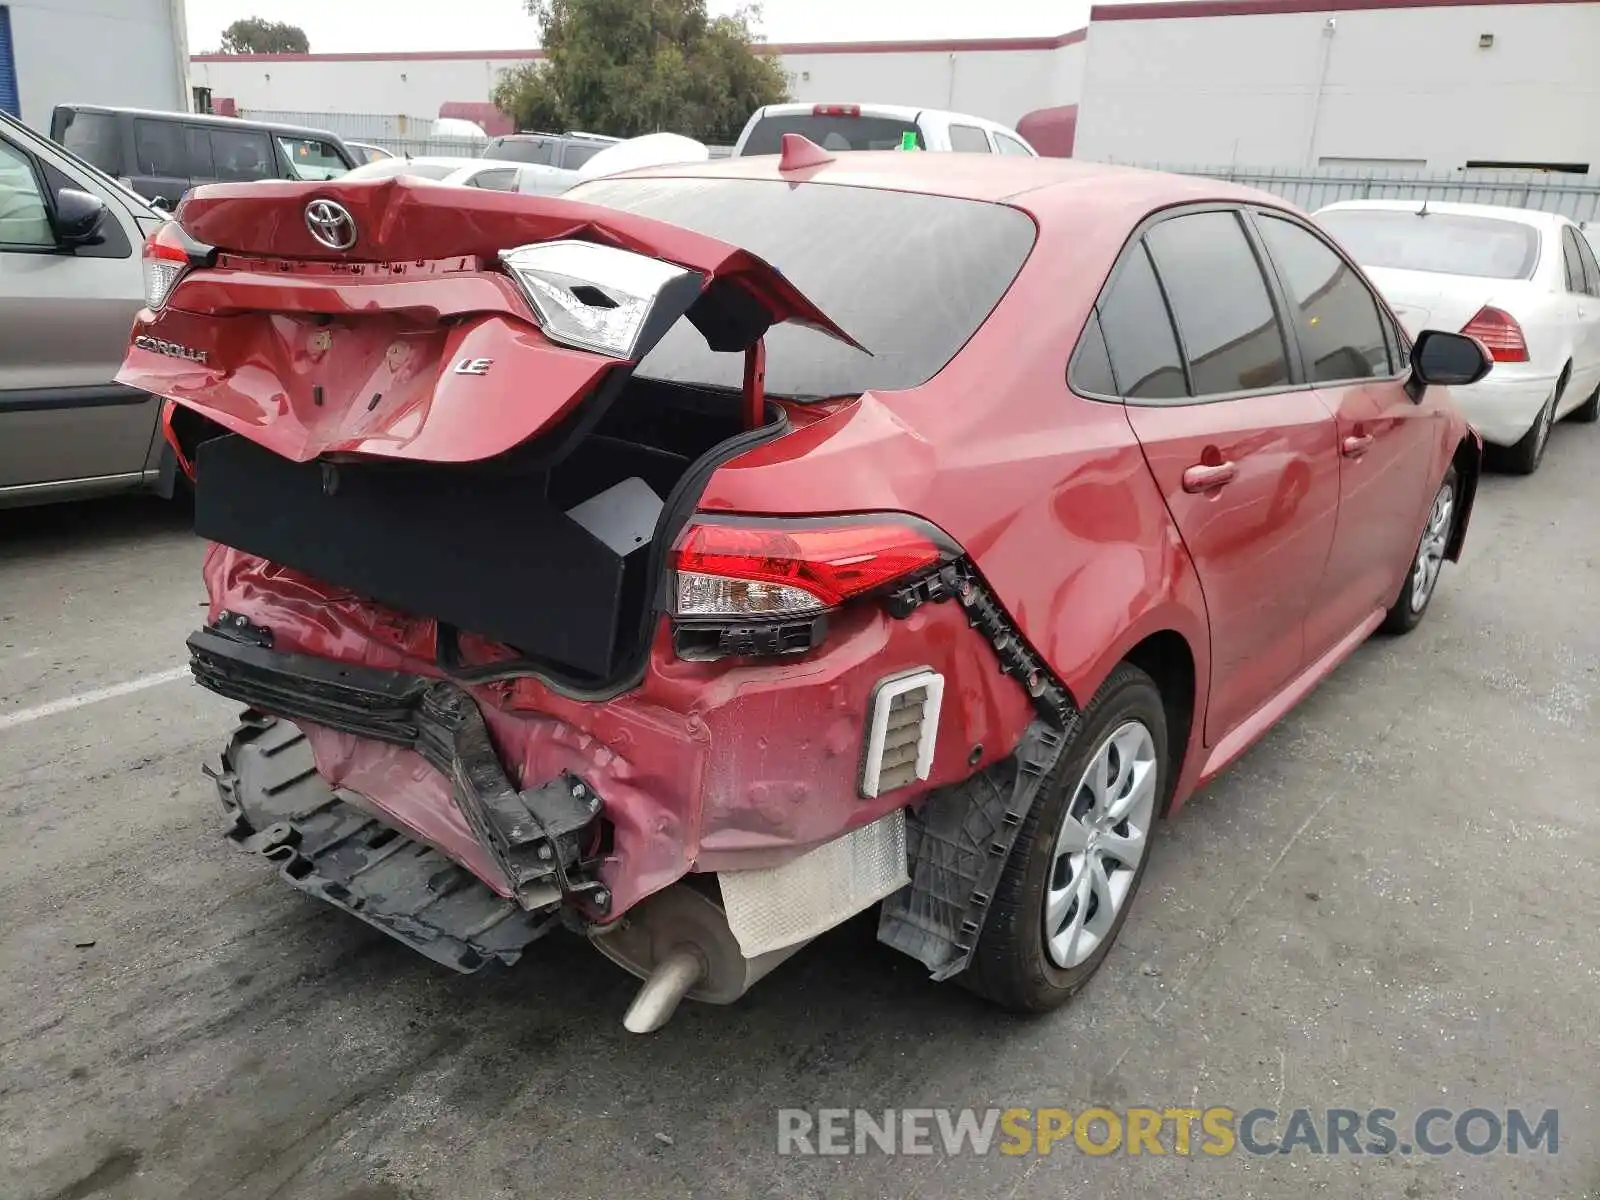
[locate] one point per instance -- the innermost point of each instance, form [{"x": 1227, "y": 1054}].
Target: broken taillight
[
  {"x": 763, "y": 570},
  {"x": 168, "y": 253}
]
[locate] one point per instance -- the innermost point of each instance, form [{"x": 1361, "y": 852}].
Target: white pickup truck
[{"x": 877, "y": 127}]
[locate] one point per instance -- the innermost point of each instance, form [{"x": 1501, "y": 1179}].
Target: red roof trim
[
  {"x": 1258, "y": 8},
  {"x": 780, "y": 48}
]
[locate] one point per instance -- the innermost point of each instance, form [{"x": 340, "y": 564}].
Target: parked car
[
  {"x": 877, "y": 127},
  {"x": 568, "y": 151},
  {"x": 657, "y": 561},
  {"x": 490, "y": 174},
  {"x": 366, "y": 152},
  {"x": 161, "y": 155},
  {"x": 1525, "y": 282},
  {"x": 71, "y": 281}
]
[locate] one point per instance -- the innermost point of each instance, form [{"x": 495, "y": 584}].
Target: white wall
[
  {"x": 1405, "y": 86},
  {"x": 1001, "y": 84},
  {"x": 415, "y": 87},
  {"x": 127, "y": 52}
]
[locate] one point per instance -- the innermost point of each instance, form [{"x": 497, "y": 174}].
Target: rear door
[
  {"x": 1388, "y": 443},
  {"x": 64, "y": 320},
  {"x": 1583, "y": 288},
  {"x": 1243, "y": 453}
]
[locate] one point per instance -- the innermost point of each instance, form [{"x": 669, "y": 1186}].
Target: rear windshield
[
  {"x": 523, "y": 150},
  {"x": 1445, "y": 243},
  {"x": 93, "y": 137},
  {"x": 911, "y": 277},
  {"x": 831, "y": 133}
]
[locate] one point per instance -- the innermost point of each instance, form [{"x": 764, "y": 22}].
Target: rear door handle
[
  {"x": 1203, "y": 476},
  {"x": 1357, "y": 444}
]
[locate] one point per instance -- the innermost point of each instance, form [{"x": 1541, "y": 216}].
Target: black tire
[
  {"x": 1011, "y": 966},
  {"x": 1524, "y": 458},
  {"x": 1405, "y": 614},
  {"x": 1588, "y": 412}
]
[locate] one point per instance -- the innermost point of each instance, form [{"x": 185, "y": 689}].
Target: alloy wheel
[
  {"x": 1430, "y": 553},
  {"x": 1102, "y": 840}
]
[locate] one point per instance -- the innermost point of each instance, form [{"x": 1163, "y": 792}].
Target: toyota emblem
[{"x": 331, "y": 224}]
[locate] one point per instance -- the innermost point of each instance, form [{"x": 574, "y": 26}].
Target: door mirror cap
[
  {"x": 1449, "y": 359},
  {"x": 78, "y": 217}
]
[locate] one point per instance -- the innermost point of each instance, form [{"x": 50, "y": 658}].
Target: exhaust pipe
[
  {"x": 669, "y": 983},
  {"x": 678, "y": 941}
]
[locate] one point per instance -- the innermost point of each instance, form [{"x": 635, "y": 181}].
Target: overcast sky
[{"x": 344, "y": 26}]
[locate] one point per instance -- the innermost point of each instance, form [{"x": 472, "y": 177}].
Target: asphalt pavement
[{"x": 1389, "y": 903}]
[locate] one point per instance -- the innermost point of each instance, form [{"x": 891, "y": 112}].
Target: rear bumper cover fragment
[
  {"x": 280, "y": 808},
  {"x": 536, "y": 837}
]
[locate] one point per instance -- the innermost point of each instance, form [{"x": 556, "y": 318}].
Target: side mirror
[
  {"x": 1449, "y": 359},
  {"x": 78, "y": 217}
]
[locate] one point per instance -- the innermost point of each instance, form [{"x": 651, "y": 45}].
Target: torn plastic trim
[
  {"x": 959, "y": 840},
  {"x": 536, "y": 837}
]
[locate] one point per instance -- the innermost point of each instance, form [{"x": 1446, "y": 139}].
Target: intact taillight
[
  {"x": 761, "y": 569},
  {"x": 1499, "y": 331},
  {"x": 168, "y": 253}
]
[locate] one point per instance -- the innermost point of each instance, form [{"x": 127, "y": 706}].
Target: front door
[
  {"x": 1244, "y": 457},
  {"x": 1388, "y": 445}
]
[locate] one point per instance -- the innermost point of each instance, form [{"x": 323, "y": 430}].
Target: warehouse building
[
  {"x": 127, "y": 52},
  {"x": 1001, "y": 79},
  {"x": 1422, "y": 84}
]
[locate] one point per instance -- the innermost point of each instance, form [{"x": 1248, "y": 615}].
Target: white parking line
[{"x": 67, "y": 704}]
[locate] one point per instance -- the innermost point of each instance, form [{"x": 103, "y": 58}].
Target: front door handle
[
  {"x": 1203, "y": 477},
  {"x": 1357, "y": 444}
]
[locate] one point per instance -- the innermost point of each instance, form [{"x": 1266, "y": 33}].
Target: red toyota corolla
[{"x": 703, "y": 557}]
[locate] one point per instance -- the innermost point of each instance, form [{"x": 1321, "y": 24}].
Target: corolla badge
[
  {"x": 170, "y": 349},
  {"x": 331, "y": 224}
]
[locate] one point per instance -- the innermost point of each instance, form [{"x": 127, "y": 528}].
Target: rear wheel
[
  {"x": 1080, "y": 855},
  {"x": 1589, "y": 411},
  {"x": 1524, "y": 458},
  {"x": 1416, "y": 593}
]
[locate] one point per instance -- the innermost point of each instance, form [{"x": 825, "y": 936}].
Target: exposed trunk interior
[{"x": 554, "y": 548}]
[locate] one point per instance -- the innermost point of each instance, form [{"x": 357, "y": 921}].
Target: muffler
[{"x": 679, "y": 942}]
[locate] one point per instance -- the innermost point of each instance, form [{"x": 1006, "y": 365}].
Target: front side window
[
  {"x": 241, "y": 155},
  {"x": 312, "y": 159},
  {"x": 1010, "y": 145},
  {"x": 1220, "y": 302},
  {"x": 24, "y": 220},
  {"x": 1139, "y": 340},
  {"x": 1335, "y": 315},
  {"x": 968, "y": 139}
]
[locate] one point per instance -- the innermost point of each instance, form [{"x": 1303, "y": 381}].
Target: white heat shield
[
  {"x": 781, "y": 906},
  {"x": 901, "y": 732}
]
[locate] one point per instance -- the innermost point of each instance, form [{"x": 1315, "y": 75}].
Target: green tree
[
  {"x": 257, "y": 35},
  {"x": 629, "y": 67}
]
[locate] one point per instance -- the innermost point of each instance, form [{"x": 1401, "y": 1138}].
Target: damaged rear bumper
[{"x": 537, "y": 839}]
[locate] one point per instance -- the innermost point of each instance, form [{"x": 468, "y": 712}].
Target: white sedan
[
  {"x": 493, "y": 174},
  {"x": 1526, "y": 283}
]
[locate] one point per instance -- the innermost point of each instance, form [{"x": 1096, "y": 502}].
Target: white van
[{"x": 877, "y": 127}]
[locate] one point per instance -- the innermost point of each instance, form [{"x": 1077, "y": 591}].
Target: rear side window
[
  {"x": 911, "y": 277},
  {"x": 311, "y": 158},
  {"x": 968, "y": 139},
  {"x": 502, "y": 180},
  {"x": 94, "y": 137},
  {"x": 575, "y": 154},
  {"x": 1572, "y": 261},
  {"x": 1445, "y": 243},
  {"x": 163, "y": 151},
  {"x": 1090, "y": 370},
  {"x": 1220, "y": 303},
  {"x": 240, "y": 155},
  {"x": 1139, "y": 341},
  {"x": 1335, "y": 315},
  {"x": 1591, "y": 269},
  {"x": 1010, "y": 145},
  {"x": 831, "y": 132}
]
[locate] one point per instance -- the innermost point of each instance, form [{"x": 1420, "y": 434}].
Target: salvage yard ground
[{"x": 1389, "y": 903}]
